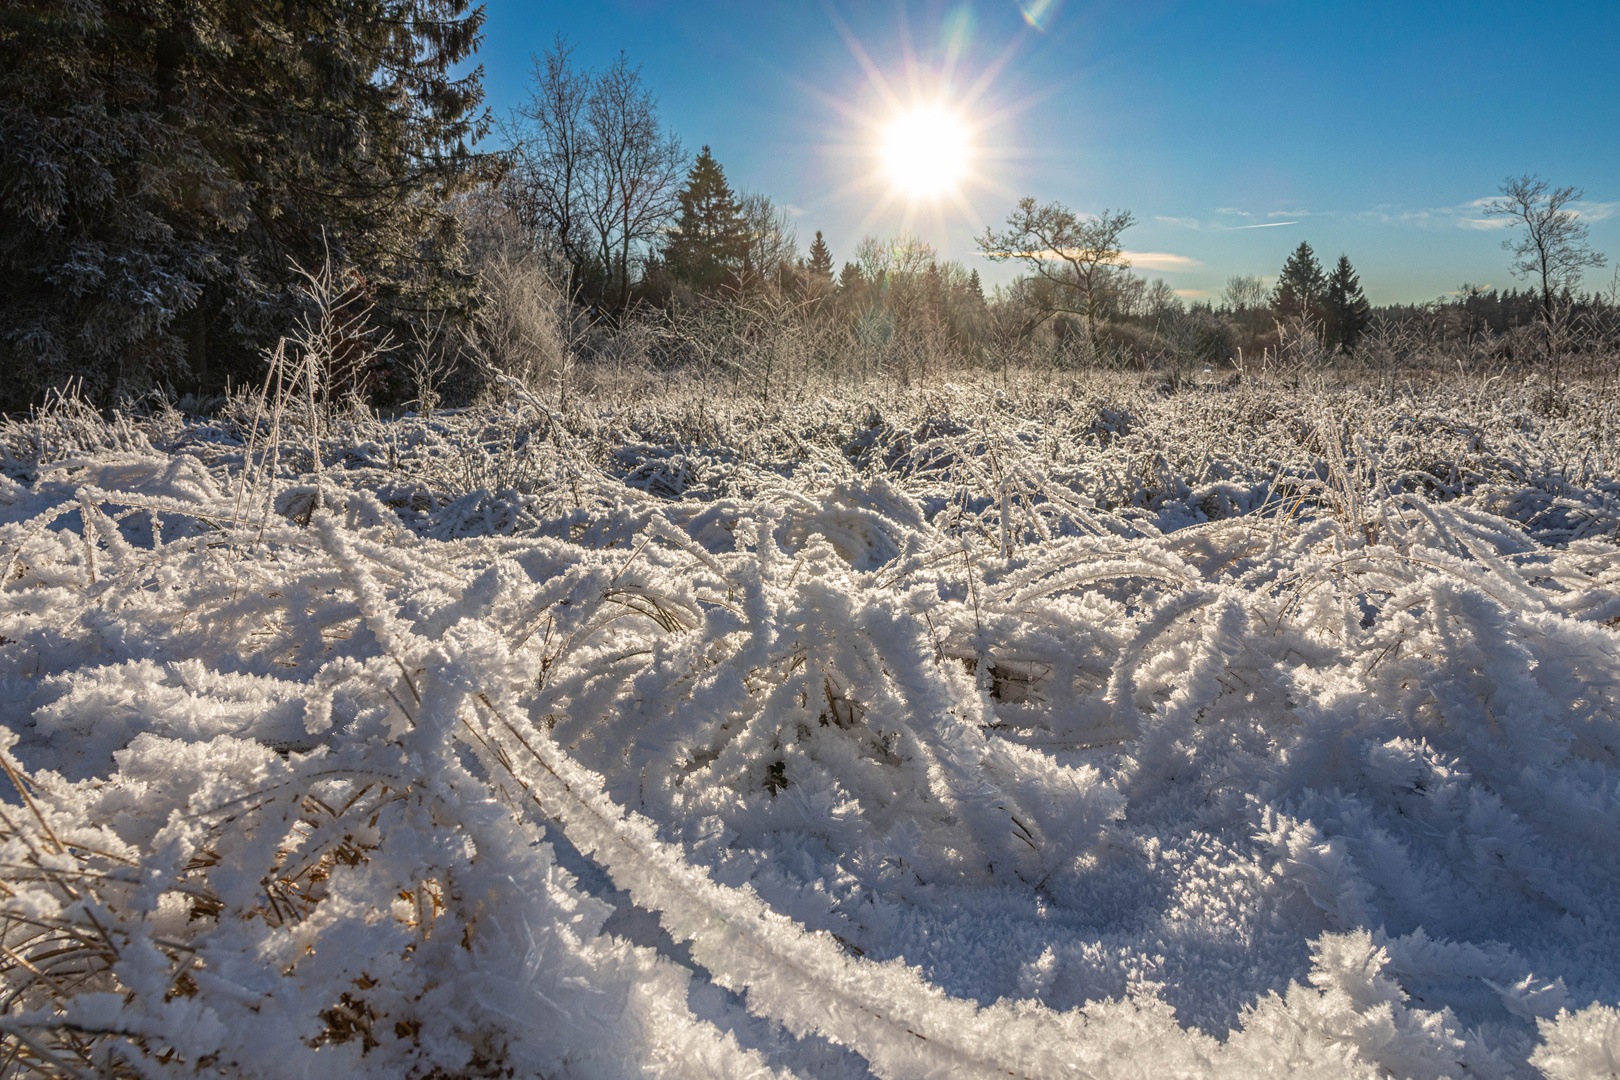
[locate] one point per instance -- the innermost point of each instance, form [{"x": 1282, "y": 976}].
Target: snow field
[{"x": 1085, "y": 732}]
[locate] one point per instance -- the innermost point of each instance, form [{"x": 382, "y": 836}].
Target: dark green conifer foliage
[
  {"x": 162, "y": 161},
  {"x": 850, "y": 278},
  {"x": 975, "y": 289},
  {"x": 710, "y": 242},
  {"x": 820, "y": 265},
  {"x": 1301, "y": 287},
  {"x": 1348, "y": 312}
]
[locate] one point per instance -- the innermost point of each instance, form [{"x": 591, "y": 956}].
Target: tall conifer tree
[
  {"x": 710, "y": 242},
  {"x": 1348, "y": 312},
  {"x": 1301, "y": 287},
  {"x": 163, "y": 161},
  {"x": 820, "y": 265},
  {"x": 851, "y": 282}
]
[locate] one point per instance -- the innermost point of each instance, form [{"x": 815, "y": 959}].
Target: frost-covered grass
[{"x": 1064, "y": 729}]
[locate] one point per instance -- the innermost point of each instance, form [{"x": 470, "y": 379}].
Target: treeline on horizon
[
  {"x": 168, "y": 179},
  {"x": 704, "y": 245}
]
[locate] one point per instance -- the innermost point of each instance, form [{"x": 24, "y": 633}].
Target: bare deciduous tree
[
  {"x": 880, "y": 259},
  {"x": 773, "y": 242},
  {"x": 637, "y": 172},
  {"x": 593, "y": 171},
  {"x": 1077, "y": 256},
  {"x": 1161, "y": 299},
  {"x": 552, "y": 154},
  {"x": 1244, "y": 292},
  {"x": 1552, "y": 249}
]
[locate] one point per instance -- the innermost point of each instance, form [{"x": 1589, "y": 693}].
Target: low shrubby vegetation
[{"x": 705, "y": 722}]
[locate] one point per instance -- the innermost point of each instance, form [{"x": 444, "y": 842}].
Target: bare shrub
[
  {"x": 1299, "y": 348},
  {"x": 526, "y": 326},
  {"x": 65, "y": 426}
]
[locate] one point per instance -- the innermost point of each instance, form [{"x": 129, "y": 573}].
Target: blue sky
[{"x": 1374, "y": 127}]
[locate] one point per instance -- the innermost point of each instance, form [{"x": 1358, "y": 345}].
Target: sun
[{"x": 925, "y": 151}]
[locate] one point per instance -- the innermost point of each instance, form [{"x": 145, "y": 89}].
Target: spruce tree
[
  {"x": 975, "y": 289},
  {"x": 1301, "y": 287},
  {"x": 820, "y": 265},
  {"x": 162, "y": 162},
  {"x": 709, "y": 246},
  {"x": 1348, "y": 312}
]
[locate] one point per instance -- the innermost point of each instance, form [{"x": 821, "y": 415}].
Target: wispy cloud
[
  {"x": 1194, "y": 294},
  {"x": 1140, "y": 260},
  {"x": 1215, "y": 226},
  {"x": 1232, "y": 211},
  {"x": 1163, "y": 261},
  {"x": 1472, "y": 215},
  {"x": 1596, "y": 211}
]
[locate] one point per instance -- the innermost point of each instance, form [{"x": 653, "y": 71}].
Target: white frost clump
[{"x": 1580, "y": 1046}]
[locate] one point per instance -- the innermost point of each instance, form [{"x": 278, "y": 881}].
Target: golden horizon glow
[{"x": 925, "y": 151}]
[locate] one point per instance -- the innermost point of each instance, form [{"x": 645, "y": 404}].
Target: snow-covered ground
[{"x": 1071, "y": 729}]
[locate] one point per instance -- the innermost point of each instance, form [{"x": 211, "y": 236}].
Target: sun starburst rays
[{"x": 926, "y": 139}]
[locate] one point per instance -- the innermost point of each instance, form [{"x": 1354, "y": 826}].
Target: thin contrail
[{"x": 1267, "y": 225}]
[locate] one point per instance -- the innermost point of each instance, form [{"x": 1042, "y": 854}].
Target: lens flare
[
  {"x": 925, "y": 151},
  {"x": 1039, "y": 13}
]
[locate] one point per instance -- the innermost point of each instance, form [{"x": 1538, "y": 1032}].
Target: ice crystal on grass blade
[{"x": 943, "y": 735}]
